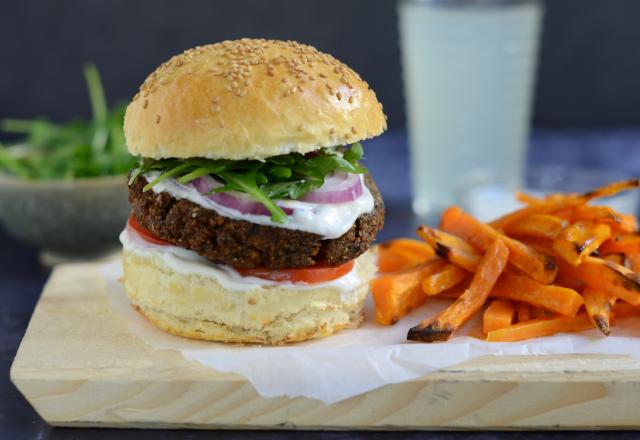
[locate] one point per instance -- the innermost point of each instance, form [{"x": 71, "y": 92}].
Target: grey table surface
[{"x": 22, "y": 278}]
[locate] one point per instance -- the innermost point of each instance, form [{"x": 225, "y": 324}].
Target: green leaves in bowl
[{"x": 72, "y": 150}]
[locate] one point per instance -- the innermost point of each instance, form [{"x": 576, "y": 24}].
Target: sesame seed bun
[
  {"x": 250, "y": 99},
  {"x": 196, "y": 306}
]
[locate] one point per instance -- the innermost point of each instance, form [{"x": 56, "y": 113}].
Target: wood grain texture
[{"x": 79, "y": 365}]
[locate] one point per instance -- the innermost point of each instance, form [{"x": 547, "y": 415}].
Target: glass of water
[{"x": 469, "y": 70}]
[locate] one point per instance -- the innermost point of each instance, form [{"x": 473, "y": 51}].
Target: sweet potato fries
[{"x": 559, "y": 264}]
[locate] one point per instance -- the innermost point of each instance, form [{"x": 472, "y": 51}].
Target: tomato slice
[
  {"x": 148, "y": 236},
  {"x": 308, "y": 275}
]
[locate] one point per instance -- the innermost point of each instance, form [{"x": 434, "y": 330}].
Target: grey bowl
[{"x": 78, "y": 217}]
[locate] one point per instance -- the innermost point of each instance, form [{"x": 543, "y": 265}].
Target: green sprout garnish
[
  {"x": 72, "y": 150},
  {"x": 289, "y": 176}
]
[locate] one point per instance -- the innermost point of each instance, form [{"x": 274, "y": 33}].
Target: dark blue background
[{"x": 588, "y": 76}]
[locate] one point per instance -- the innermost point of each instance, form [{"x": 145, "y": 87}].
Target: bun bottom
[{"x": 197, "y": 306}]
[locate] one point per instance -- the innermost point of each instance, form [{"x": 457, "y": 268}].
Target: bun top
[{"x": 250, "y": 99}]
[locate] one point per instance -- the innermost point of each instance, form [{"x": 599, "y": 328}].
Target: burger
[{"x": 252, "y": 215}]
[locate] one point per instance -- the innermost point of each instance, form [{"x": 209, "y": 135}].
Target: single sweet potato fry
[
  {"x": 540, "y": 327},
  {"x": 442, "y": 326},
  {"x": 611, "y": 189},
  {"x": 402, "y": 253},
  {"x": 540, "y": 267},
  {"x": 397, "y": 294},
  {"x": 527, "y": 199},
  {"x": 389, "y": 261},
  {"x": 556, "y": 299},
  {"x": 599, "y": 305},
  {"x": 579, "y": 240},
  {"x": 449, "y": 276},
  {"x": 418, "y": 248},
  {"x": 499, "y": 314},
  {"x": 455, "y": 291},
  {"x": 451, "y": 248},
  {"x": 538, "y": 225}
]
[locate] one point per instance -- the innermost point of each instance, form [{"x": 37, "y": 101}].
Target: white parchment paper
[{"x": 353, "y": 362}]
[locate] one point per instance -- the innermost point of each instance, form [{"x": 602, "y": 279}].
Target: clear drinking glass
[{"x": 469, "y": 71}]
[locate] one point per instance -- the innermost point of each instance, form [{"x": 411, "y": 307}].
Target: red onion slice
[
  {"x": 232, "y": 200},
  {"x": 338, "y": 188}
]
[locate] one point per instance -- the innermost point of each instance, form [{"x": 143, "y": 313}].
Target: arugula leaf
[
  {"x": 355, "y": 153},
  {"x": 199, "y": 172},
  {"x": 164, "y": 176},
  {"x": 291, "y": 190}
]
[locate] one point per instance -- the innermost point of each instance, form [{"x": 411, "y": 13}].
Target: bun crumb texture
[{"x": 198, "y": 307}]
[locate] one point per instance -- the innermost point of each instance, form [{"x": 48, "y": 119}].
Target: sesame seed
[
  {"x": 145, "y": 104},
  {"x": 332, "y": 131},
  {"x": 350, "y": 99},
  {"x": 157, "y": 119},
  {"x": 322, "y": 75},
  {"x": 339, "y": 96},
  {"x": 353, "y": 130}
]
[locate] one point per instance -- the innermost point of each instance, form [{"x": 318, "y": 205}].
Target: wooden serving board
[{"x": 79, "y": 365}]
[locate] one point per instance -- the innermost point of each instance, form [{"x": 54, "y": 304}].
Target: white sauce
[
  {"x": 327, "y": 220},
  {"x": 190, "y": 263}
]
